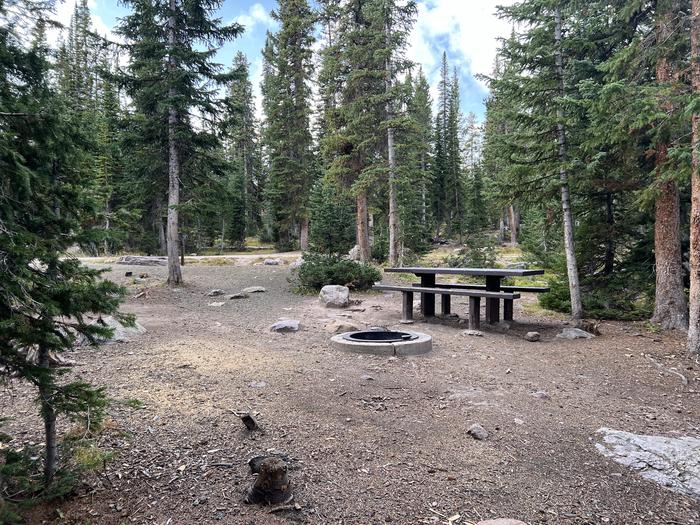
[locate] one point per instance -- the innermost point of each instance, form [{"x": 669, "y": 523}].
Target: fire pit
[{"x": 383, "y": 342}]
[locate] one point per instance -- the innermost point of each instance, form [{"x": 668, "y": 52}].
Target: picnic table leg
[
  {"x": 446, "y": 304},
  {"x": 407, "y": 306},
  {"x": 507, "y": 309},
  {"x": 474, "y": 313},
  {"x": 493, "y": 284},
  {"x": 427, "y": 300}
]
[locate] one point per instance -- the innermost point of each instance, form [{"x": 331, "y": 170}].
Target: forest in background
[{"x": 583, "y": 160}]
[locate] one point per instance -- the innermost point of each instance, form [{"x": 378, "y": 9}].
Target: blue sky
[{"x": 466, "y": 29}]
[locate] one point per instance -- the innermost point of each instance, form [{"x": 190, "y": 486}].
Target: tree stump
[{"x": 272, "y": 485}]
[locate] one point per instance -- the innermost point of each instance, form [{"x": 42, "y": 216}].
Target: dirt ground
[{"x": 372, "y": 440}]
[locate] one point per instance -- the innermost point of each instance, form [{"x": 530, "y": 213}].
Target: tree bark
[
  {"x": 694, "y": 328},
  {"x": 670, "y": 306},
  {"x": 363, "y": 227},
  {"x": 570, "y": 249},
  {"x": 394, "y": 248},
  {"x": 513, "y": 223},
  {"x": 609, "y": 264},
  {"x": 174, "y": 169},
  {"x": 304, "y": 234},
  {"x": 48, "y": 414}
]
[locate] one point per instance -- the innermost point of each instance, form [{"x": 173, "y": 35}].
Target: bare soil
[{"x": 371, "y": 440}]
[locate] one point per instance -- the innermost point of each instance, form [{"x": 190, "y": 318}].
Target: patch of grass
[
  {"x": 90, "y": 458},
  {"x": 652, "y": 328},
  {"x": 210, "y": 261},
  {"x": 134, "y": 403}
]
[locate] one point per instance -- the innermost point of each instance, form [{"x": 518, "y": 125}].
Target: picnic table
[{"x": 492, "y": 290}]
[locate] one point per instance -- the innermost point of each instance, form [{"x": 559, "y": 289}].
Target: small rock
[
  {"x": 532, "y": 336},
  {"x": 366, "y": 377},
  {"x": 254, "y": 289},
  {"x": 215, "y": 292},
  {"x": 128, "y": 274},
  {"x": 285, "y": 325},
  {"x": 574, "y": 333},
  {"x": 502, "y": 521},
  {"x": 272, "y": 262},
  {"x": 518, "y": 421},
  {"x": 257, "y": 384},
  {"x": 334, "y": 296},
  {"x": 477, "y": 432},
  {"x": 239, "y": 295},
  {"x": 477, "y": 333},
  {"x": 339, "y": 327},
  {"x": 541, "y": 394},
  {"x": 217, "y": 304}
]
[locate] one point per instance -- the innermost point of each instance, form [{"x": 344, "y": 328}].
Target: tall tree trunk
[
  {"x": 609, "y": 264},
  {"x": 424, "y": 192},
  {"x": 363, "y": 227},
  {"x": 571, "y": 265},
  {"x": 513, "y": 223},
  {"x": 304, "y": 234},
  {"x": 694, "y": 328},
  {"x": 670, "y": 306},
  {"x": 48, "y": 414},
  {"x": 173, "y": 238},
  {"x": 391, "y": 153},
  {"x": 158, "y": 225}
]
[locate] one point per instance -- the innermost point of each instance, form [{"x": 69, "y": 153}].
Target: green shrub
[
  {"x": 318, "y": 270},
  {"x": 603, "y": 298}
]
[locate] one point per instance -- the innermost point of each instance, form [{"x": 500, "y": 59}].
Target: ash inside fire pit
[
  {"x": 379, "y": 335},
  {"x": 383, "y": 342}
]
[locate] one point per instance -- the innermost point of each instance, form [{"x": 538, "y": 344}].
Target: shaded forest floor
[{"x": 372, "y": 440}]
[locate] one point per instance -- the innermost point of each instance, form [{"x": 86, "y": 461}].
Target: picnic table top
[{"x": 484, "y": 272}]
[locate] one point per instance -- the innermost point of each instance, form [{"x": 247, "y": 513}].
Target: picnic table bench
[{"x": 492, "y": 291}]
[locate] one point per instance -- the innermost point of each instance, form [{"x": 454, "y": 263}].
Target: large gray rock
[
  {"x": 354, "y": 253},
  {"x": 285, "y": 325},
  {"x": 272, "y": 262},
  {"x": 334, "y": 296},
  {"x": 215, "y": 292},
  {"x": 121, "y": 333},
  {"x": 671, "y": 462},
  {"x": 574, "y": 333},
  {"x": 239, "y": 295},
  {"x": 254, "y": 289},
  {"x": 139, "y": 260}
]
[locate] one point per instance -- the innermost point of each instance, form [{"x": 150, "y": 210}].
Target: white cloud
[
  {"x": 64, "y": 12},
  {"x": 469, "y": 29},
  {"x": 257, "y": 14}
]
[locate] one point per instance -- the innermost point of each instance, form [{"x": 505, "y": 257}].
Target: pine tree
[
  {"x": 176, "y": 41},
  {"x": 45, "y": 294},
  {"x": 440, "y": 162},
  {"x": 287, "y": 132}
]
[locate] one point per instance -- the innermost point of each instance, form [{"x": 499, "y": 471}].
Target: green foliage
[
  {"x": 479, "y": 251},
  {"x": 613, "y": 298},
  {"x": 332, "y": 229},
  {"x": 287, "y": 105},
  {"x": 317, "y": 271}
]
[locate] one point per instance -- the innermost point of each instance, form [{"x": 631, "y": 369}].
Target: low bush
[{"x": 317, "y": 270}]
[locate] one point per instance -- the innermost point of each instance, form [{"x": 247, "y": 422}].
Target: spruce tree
[
  {"x": 45, "y": 294},
  {"x": 171, "y": 76},
  {"x": 287, "y": 132}
]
